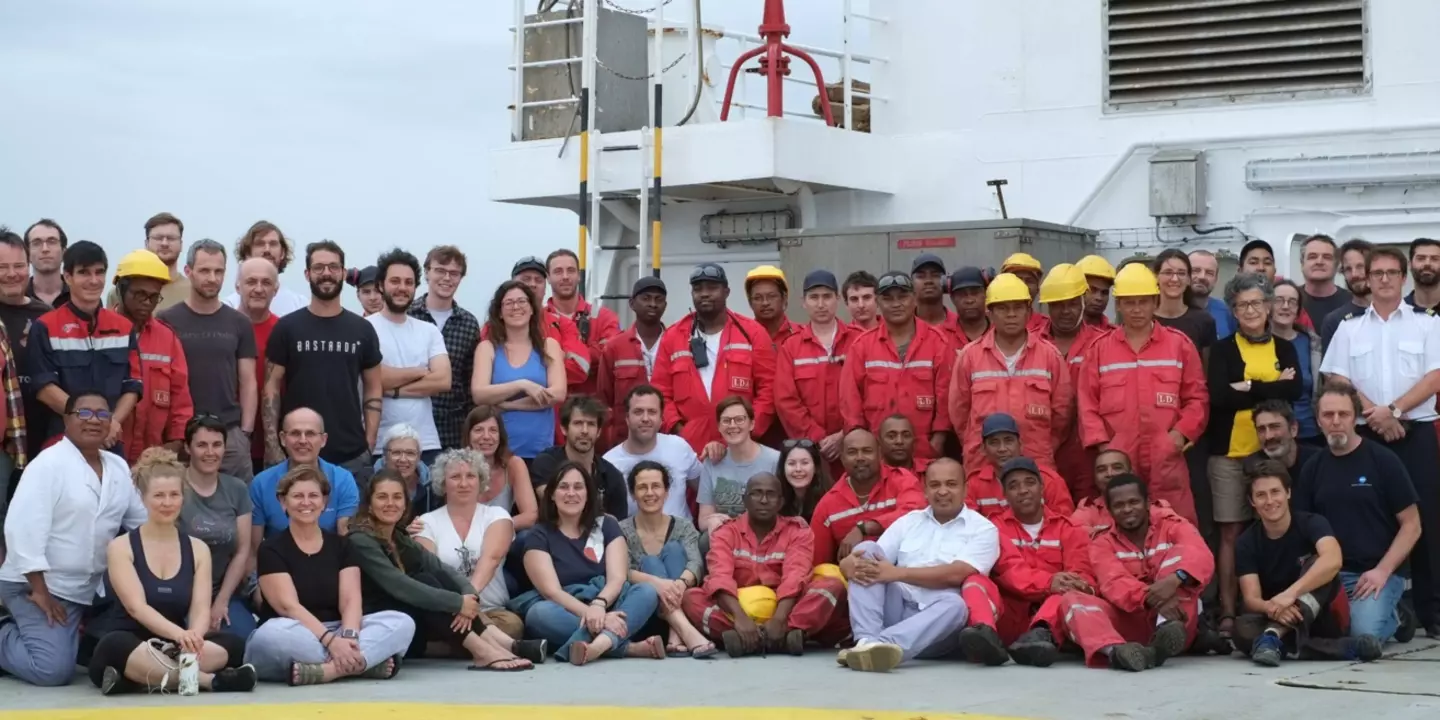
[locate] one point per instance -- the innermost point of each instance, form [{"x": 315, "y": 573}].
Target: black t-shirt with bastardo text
[{"x": 323, "y": 359}]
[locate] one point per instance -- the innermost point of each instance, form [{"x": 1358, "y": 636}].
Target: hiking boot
[
  {"x": 1268, "y": 650},
  {"x": 734, "y": 646},
  {"x": 1035, "y": 648},
  {"x": 981, "y": 644},
  {"x": 874, "y": 657},
  {"x": 792, "y": 642},
  {"x": 1131, "y": 657},
  {"x": 240, "y": 679},
  {"x": 1409, "y": 621},
  {"x": 1168, "y": 641},
  {"x": 1365, "y": 648}
]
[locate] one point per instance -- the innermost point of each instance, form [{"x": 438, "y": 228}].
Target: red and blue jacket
[{"x": 77, "y": 351}]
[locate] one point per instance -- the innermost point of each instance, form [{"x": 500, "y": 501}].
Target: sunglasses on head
[
  {"x": 895, "y": 282},
  {"x": 806, "y": 443},
  {"x": 707, "y": 272}
]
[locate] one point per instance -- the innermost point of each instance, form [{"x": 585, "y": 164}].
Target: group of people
[{"x": 291, "y": 492}]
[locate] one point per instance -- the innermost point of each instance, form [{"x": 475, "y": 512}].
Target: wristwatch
[
  {"x": 395, "y": 393},
  {"x": 1185, "y": 578},
  {"x": 349, "y": 634},
  {"x": 1395, "y": 411}
]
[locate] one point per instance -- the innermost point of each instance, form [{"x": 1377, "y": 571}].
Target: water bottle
[{"x": 189, "y": 674}]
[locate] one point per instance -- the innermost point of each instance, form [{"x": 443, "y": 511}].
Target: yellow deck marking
[{"x": 177, "y": 708}]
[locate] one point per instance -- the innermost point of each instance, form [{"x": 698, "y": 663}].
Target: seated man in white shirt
[
  {"x": 74, "y": 500},
  {"x": 905, "y": 587},
  {"x": 643, "y": 410}
]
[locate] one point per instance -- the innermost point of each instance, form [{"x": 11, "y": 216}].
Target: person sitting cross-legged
[
  {"x": 904, "y": 587},
  {"x": 1289, "y": 565},
  {"x": 665, "y": 552},
  {"x": 759, "y": 595}
]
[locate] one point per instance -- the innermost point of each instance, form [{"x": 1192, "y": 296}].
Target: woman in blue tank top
[
  {"x": 161, "y": 579},
  {"x": 519, "y": 370}
]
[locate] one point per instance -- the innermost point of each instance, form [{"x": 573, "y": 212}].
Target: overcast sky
[{"x": 363, "y": 121}]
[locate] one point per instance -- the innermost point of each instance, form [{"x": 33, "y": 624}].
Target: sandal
[
  {"x": 654, "y": 649},
  {"x": 306, "y": 674},
  {"x": 704, "y": 652},
  {"x": 384, "y": 671},
  {"x": 676, "y": 650},
  {"x": 499, "y": 665}
]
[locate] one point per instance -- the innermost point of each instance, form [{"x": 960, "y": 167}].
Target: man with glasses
[
  {"x": 164, "y": 236},
  {"x": 1391, "y": 355},
  {"x": 221, "y": 349},
  {"x": 317, "y": 358},
  {"x": 46, "y": 243},
  {"x": 75, "y": 500},
  {"x": 712, "y": 354},
  {"x": 165, "y": 405},
  {"x": 305, "y": 438},
  {"x": 903, "y": 367},
  {"x": 445, "y": 267},
  {"x": 81, "y": 346}
]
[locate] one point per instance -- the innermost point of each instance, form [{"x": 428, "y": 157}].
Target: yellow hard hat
[
  {"x": 757, "y": 601},
  {"x": 144, "y": 264},
  {"x": 1007, "y": 287},
  {"x": 1065, "y": 282},
  {"x": 829, "y": 570},
  {"x": 1021, "y": 261},
  {"x": 1096, "y": 266},
  {"x": 1135, "y": 280},
  {"x": 766, "y": 272}
]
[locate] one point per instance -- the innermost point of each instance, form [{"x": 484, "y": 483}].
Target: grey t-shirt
[
  {"x": 212, "y": 520},
  {"x": 214, "y": 345},
  {"x": 722, "y": 484}
]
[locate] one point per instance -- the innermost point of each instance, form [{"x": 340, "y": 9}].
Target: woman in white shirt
[
  {"x": 470, "y": 537},
  {"x": 509, "y": 487}
]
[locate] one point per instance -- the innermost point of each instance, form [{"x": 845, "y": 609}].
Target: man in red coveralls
[
  {"x": 1099, "y": 276},
  {"x": 1152, "y": 566},
  {"x": 967, "y": 292},
  {"x": 1043, "y": 555},
  {"x": 1064, "y": 293},
  {"x": 165, "y": 405},
  {"x": 759, "y": 595},
  {"x": 595, "y": 325},
  {"x": 808, "y": 367},
  {"x": 709, "y": 355},
  {"x": 1011, "y": 370},
  {"x": 627, "y": 361},
  {"x": 927, "y": 273},
  {"x": 768, "y": 293},
  {"x": 1002, "y": 444},
  {"x": 1029, "y": 270},
  {"x": 1091, "y": 512},
  {"x": 903, "y": 366},
  {"x": 897, "y": 444},
  {"x": 864, "y": 501},
  {"x": 1142, "y": 390}
]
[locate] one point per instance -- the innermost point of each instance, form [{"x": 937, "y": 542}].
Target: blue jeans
[
  {"x": 668, "y": 564},
  {"x": 242, "y": 621},
  {"x": 1375, "y": 615},
  {"x": 551, "y": 621}
]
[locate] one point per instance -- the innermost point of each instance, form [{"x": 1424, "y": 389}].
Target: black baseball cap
[
  {"x": 967, "y": 277},
  {"x": 820, "y": 278},
  {"x": 363, "y": 276},
  {"x": 1256, "y": 245},
  {"x": 924, "y": 259},
  {"x": 529, "y": 262},
  {"x": 647, "y": 283},
  {"x": 708, "y": 272}
]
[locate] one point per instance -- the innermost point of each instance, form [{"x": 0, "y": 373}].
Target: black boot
[
  {"x": 532, "y": 650},
  {"x": 1168, "y": 641},
  {"x": 1132, "y": 657},
  {"x": 981, "y": 644},
  {"x": 1036, "y": 648},
  {"x": 240, "y": 679}
]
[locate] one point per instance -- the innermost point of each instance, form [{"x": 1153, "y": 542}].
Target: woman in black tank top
[{"x": 161, "y": 579}]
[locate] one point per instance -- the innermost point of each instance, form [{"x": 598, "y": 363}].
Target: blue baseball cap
[
  {"x": 924, "y": 259},
  {"x": 820, "y": 278},
  {"x": 1018, "y": 463},
  {"x": 967, "y": 277},
  {"x": 998, "y": 423}
]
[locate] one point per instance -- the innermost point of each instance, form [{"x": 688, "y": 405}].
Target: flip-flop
[
  {"x": 677, "y": 651},
  {"x": 492, "y": 666},
  {"x": 704, "y": 652}
]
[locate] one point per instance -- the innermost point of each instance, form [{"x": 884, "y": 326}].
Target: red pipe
[{"x": 775, "y": 65}]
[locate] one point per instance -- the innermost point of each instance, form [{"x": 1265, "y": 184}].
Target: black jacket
[
  {"x": 1226, "y": 366},
  {"x": 386, "y": 587}
]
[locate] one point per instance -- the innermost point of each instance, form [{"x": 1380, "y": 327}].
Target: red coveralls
[
  {"x": 1125, "y": 572},
  {"x": 1038, "y": 394},
  {"x": 621, "y": 369},
  {"x": 1027, "y": 565},
  {"x": 876, "y": 384},
  {"x": 781, "y": 561},
  {"x": 745, "y": 366},
  {"x": 1037, "y": 321},
  {"x": 165, "y": 405},
  {"x": 1092, "y": 514},
  {"x": 1132, "y": 400},
  {"x": 786, "y": 331},
  {"x": 807, "y": 383},
  {"x": 1076, "y": 463},
  {"x": 839, "y": 510},
  {"x": 984, "y": 493},
  {"x": 950, "y": 326},
  {"x": 603, "y": 326}
]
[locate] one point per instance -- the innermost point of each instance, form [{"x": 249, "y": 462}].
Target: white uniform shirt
[
  {"x": 679, "y": 460},
  {"x": 916, "y": 540},
  {"x": 1383, "y": 359},
  {"x": 284, "y": 302},
  {"x": 63, "y": 517}
]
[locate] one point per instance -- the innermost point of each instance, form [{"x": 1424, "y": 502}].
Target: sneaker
[
  {"x": 1131, "y": 657},
  {"x": 1267, "y": 650},
  {"x": 1168, "y": 641},
  {"x": 1035, "y": 648},
  {"x": 1409, "y": 621},
  {"x": 1365, "y": 648},
  {"x": 981, "y": 644},
  {"x": 239, "y": 679},
  {"x": 874, "y": 657}
]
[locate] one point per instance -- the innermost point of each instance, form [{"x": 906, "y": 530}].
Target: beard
[
  {"x": 1427, "y": 278},
  {"x": 1337, "y": 441},
  {"x": 326, "y": 295},
  {"x": 1359, "y": 289},
  {"x": 1277, "y": 451},
  {"x": 395, "y": 304}
]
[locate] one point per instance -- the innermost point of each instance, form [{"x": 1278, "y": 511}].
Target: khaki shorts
[{"x": 1227, "y": 487}]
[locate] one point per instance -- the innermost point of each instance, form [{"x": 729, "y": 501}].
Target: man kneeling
[
  {"x": 760, "y": 572},
  {"x": 905, "y": 587},
  {"x": 1289, "y": 570}
]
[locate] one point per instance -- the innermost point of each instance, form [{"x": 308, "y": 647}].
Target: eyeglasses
[
  {"x": 707, "y": 272},
  {"x": 165, "y": 238},
  {"x": 303, "y": 434},
  {"x": 1174, "y": 274},
  {"x": 149, "y": 298},
  {"x": 411, "y": 454},
  {"x": 445, "y": 273},
  {"x": 894, "y": 281},
  {"x": 734, "y": 420},
  {"x": 1386, "y": 274},
  {"x": 1286, "y": 302},
  {"x": 515, "y": 304},
  {"x": 806, "y": 443},
  {"x": 331, "y": 269},
  {"x": 88, "y": 414},
  {"x": 1250, "y": 306},
  {"x": 45, "y": 242}
]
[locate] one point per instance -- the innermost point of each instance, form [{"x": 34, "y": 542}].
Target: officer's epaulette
[
  {"x": 1430, "y": 311},
  {"x": 1349, "y": 316}
]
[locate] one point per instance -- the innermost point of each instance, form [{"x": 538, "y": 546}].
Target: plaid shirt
[
  {"x": 461, "y": 334},
  {"x": 14, "y": 405}
]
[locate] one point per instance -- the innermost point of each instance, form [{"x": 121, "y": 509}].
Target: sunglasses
[
  {"x": 895, "y": 282},
  {"x": 707, "y": 272},
  {"x": 806, "y": 443}
]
